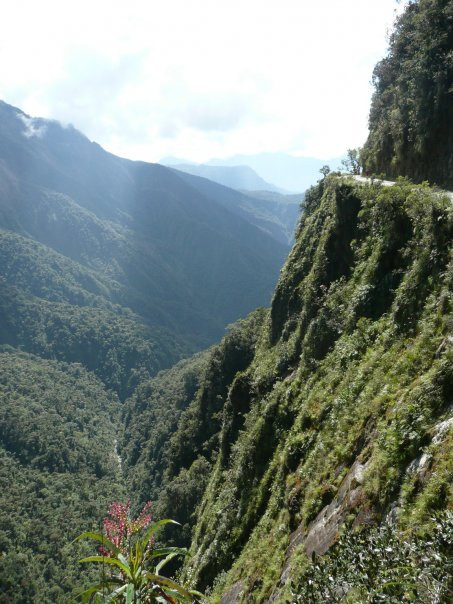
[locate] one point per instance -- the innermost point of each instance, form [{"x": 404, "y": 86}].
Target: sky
[{"x": 198, "y": 79}]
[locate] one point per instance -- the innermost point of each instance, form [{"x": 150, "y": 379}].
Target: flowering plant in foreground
[
  {"x": 131, "y": 563},
  {"x": 119, "y": 528}
]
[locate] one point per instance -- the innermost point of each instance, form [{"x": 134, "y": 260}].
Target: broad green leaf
[
  {"x": 130, "y": 594},
  {"x": 154, "y": 527},
  {"x": 164, "y": 582},
  {"x": 194, "y": 592},
  {"x": 115, "y": 593},
  {"x": 164, "y": 551},
  {"x": 138, "y": 558},
  {"x": 86, "y": 595},
  {"x": 111, "y": 561},
  {"x": 175, "y": 595},
  {"x": 165, "y": 561}
]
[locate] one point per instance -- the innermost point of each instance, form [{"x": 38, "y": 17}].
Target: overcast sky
[{"x": 198, "y": 78}]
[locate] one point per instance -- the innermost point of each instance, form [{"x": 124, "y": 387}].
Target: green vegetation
[
  {"x": 58, "y": 472},
  {"x": 339, "y": 409},
  {"x": 130, "y": 563},
  {"x": 411, "y": 117},
  {"x": 110, "y": 271},
  {"x": 321, "y": 417},
  {"x": 172, "y": 423},
  {"x": 377, "y": 566},
  {"x": 54, "y": 307},
  {"x": 308, "y": 455},
  {"x": 117, "y": 346}
]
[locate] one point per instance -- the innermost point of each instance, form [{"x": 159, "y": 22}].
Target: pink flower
[{"x": 119, "y": 527}]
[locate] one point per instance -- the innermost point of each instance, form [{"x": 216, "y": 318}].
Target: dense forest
[
  {"x": 304, "y": 447},
  {"x": 58, "y": 472}
]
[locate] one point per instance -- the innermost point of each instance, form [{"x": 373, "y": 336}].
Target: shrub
[{"x": 131, "y": 563}]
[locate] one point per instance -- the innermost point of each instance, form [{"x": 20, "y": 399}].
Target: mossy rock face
[{"x": 341, "y": 387}]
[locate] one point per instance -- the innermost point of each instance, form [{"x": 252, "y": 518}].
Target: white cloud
[
  {"x": 33, "y": 127},
  {"x": 198, "y": 79}
]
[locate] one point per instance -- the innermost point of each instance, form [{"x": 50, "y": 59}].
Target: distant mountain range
[
  {"x": 274, "y": 213},
  {"x": 260, "y": 202},
  {"x": 235, "y": 177},
  {"x": 95, "y": 241},
  {"x": 287, "y": 173}
]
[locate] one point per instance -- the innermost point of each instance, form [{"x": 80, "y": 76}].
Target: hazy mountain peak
[
  {"x": 240, "y": 177},
  {"x": 286, "y": 171}
]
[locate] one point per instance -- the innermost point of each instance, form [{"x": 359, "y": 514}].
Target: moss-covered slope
[{"x": 340, "y": 416}]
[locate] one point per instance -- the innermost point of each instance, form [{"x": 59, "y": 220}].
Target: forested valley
[{"x": 290, "y": 408}]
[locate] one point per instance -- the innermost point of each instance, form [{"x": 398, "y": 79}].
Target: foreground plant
[{"x": 130, "y": 562}]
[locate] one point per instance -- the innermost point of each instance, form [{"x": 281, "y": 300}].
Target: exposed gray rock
[
  {"x": 233, "y": 595},
  {"x": 447, "y": 341},
  {"x": 418, "y": 464},
  {"x": 392, "y": 515},
  {"x": 441, "y": 430},
  {"x": 322, "y": 533}
]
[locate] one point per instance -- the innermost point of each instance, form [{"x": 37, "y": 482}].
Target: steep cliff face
[
  {"x": 341, "y": 415},
  {"x": 172, "y": 424}
]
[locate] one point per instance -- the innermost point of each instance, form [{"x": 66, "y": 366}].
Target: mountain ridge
[
  {"x": 290, "y": 172},
  {"x": 137, "y": 223},
  {"x": 235, "y": 177},
  {"x": 272, "y": 212}
]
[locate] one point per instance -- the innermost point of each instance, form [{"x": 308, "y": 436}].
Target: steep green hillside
[
  {"x": 349, "y": 387},
  {"x": 58, "y": 472},
  {"x": 273, "y": 213},
  {"x": 337, "y": 420},
  {"x": 411, "y": 117},
  {"x": 54, "y": 307},
  {"x": 172, "y": 422}
]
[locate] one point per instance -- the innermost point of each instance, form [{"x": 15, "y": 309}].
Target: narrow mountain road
[
  {"x": 384, "y": 183},
  {"x": 388, "y": 183}
]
